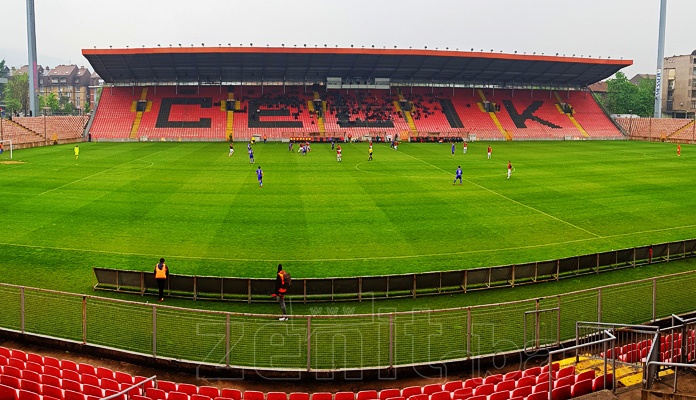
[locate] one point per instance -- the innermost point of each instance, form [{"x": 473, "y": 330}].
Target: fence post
[
  {"x": 468, "y": 332},
  {"x": 654, "y": 300},
  {"x": 227, "y": 340},
  {"x": 599, "y": 305},
  {"x": 154, "y": 331},
  {"x": 21, "y": 309},
  {"x": 84, "y": 319},
  {"x": 391, "y": 340},
  {"x": 558, "y": 322},
  {"x": 309, "y": 343}
]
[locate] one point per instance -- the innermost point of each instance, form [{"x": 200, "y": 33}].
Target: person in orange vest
[
  {"x": 281, "y": 287},
  {"x": 161, "y": 275}
]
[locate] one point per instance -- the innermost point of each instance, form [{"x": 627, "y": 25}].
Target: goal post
[{"x": 6, "y": 147}]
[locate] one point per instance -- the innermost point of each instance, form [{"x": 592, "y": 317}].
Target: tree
[
  {"x": 17, "y": 93},
  {"x": 49, "y": 101},
  {"x": 623, "y": 97}
]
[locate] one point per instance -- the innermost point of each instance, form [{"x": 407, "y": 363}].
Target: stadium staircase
[
  {"x": 320, "y": 114},
  {"x": 406, "y": 114},
  {"x": 229, "y": 125},
  {"x": 493, "y": 116},
  {"x": 570, "y": 115},
  {"x": 683, "y": 129},
  {"x": 138, "y": 114}
]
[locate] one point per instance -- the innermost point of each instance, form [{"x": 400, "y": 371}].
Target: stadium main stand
[{"x": 281, "y": 112}]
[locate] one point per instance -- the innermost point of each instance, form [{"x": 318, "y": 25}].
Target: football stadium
[{"x": 345, "y": 220}]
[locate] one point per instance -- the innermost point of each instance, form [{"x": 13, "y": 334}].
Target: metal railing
[
  {"x": 390, "y": 286},
  {"x": 336, "y": 339}
]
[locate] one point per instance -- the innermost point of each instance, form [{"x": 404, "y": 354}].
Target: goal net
[{"x": 5, "y": 148}]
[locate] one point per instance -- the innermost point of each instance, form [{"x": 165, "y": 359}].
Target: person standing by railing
[
  {"x": 281, "y": 287},
  {"x": 161, "y": 275}
]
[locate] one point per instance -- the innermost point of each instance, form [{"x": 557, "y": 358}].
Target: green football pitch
[{"x": 125, "y": 205}]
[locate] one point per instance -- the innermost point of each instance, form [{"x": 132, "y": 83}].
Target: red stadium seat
[
  {"x": 84, "y": 368},
  {"x": 88, "y": 379},
  {"x": 253, "y": 395},
  {"x": 4, "y": 351},
  {"x": 187, "y": 388},
  {"x": 52, "y": 361},
  {"x": 145, "y": 383},
  {"x": 103, "y": 372},
  {"x": 53, "y": 391},
  {"x": 493, "y": 379},
  {"x": 385, "y": 394},
  {"x": 174, "y": 395},
  {"x": 32, "y": 366},
  {"x": 276, "y": 396},
  {"x": 598, "y": 382},
  {"x": 72, "y": 385},
  {"x": 561, "y": 393},
  {"x": 27, "y": 395},
  {"x": 541, "y": 387},
  {"x": 320, "y": 396},
  {"x": 526, "y": 381},
  {"x": 138, "y": 397},
  {"x": 473, "y": 382},
  {"x": 110, "y": 384},
  {"x": 533, "y": 371},
  {"x": 462, "y": 394},
  {"x": 538, "y": 396},
  {"x": 209, "y": 391},
  {"x": 18, "y": 354},
  {"x": 17, "y": 363},
  {"x": 68, "y": 365},
  {"x": 230, "y": 393},
  {"x": 35, "y": 358},
  {"x": 366, "y": 395},
  {"x": 484, "y": 390},
  {"x": 200, "y": 397},
  {"x": 7, "y": 392},
  {"x": 564, "y": 381},
  {"x": 407, "y": 391},
  {"x": 512, "y": 375},
  {"x": 567, "y": 371},
  {"x": 505, "y": 385},
  {"x": 122, "y": 377},
  {"x": 155, "y": 394},
  {"x": 167, "y": 386},
  {"x": 430, "y": 389},
  {"x": 451, "y": 386},
  {"x": 91, "y": 390},
  {"x": 31, "y": 386},
  {"x": 543, "y": 377},
  {"x": 583, "y": 376},
  {"x": 53, "y": 371},
  {"x": 503, "y": 395},
  {"x": 28, "y": 375},
  {"x": 10, "y": 380},
  {"x": 554, "y": 367},
  {"x": 581, "y": 388},
  {"x": 305, "y": 396},
  {"x": 51, "y": 380},
  {"x": 521, "y": 391},
  {"x": 4, "y": 361},
  {"x": 443, "y": 395},
  {"x": 72, "y": 395},
  {"x": 71, "y": 375}
]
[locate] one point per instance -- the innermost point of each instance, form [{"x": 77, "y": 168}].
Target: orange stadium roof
[{"x": 285, "y": 64}]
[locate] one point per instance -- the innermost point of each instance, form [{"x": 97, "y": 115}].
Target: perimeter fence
[
  {"x": 344, "y": 342},
  {"x": 389, "y": 286}
]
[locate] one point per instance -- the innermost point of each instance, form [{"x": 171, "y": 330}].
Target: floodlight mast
[
  {"x": 32, "y": 66},
  {"x": 660, "y": 59}
]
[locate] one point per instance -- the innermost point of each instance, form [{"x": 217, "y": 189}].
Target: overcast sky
[{"x": 625, "y": 29}]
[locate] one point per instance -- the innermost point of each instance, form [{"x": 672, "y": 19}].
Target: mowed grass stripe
[{"x": 127, "y": 204}]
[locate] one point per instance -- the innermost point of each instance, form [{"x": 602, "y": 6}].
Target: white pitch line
[
  {"x": 98, "y": 173},
  {"x": 511, "y": 200}
]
